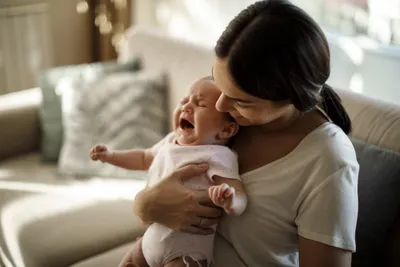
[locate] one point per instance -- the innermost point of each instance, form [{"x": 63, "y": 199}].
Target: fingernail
[{"x": 203, "y": 166}]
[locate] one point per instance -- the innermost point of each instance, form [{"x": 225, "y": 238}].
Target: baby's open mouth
[{"x": 185, "y": 124}]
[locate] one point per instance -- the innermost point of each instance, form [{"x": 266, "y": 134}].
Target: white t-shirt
[{"x": 311, "y": 192}]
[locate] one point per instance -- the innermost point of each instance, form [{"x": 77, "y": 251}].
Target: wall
[{"x": 69, "y": 31}]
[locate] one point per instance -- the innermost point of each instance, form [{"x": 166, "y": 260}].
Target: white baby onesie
[{"x": 161, "y": 244}]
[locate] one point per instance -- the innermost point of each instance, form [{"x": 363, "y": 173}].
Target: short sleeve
[
  {"x": 329, "y": 213},
  {"x": 224, "y": 163},
  {"x": 167, "y": 139}
]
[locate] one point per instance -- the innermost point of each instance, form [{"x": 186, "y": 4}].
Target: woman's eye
[
  {"x": 202, "y": 104},
  {"x": 242, "y": 105}
]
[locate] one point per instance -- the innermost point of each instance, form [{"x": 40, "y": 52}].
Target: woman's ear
[{"x": 229, "y": 130}]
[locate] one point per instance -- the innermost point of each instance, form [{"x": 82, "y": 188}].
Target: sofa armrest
[{"x": 19, "y": 122}]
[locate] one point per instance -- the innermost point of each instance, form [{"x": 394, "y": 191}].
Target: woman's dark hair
[{"x": 276, "y": 51}]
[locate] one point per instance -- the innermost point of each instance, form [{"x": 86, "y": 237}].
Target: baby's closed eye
[{"x": 202, "y": 104}]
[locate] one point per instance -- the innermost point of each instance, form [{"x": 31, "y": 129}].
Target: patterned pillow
[
  {"x": 122, "y": 110},
  {"x": 50, "y": 110}
]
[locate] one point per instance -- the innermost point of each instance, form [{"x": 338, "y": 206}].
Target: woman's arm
[
  {"x": 315, "y": 254},
  {"x": 177, "y": 207},
  {"x": 327, "y": 220}
]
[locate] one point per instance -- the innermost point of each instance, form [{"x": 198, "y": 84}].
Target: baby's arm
[
  {"x": 228, "y": 194},
  {"x": 134, "y": 159}
]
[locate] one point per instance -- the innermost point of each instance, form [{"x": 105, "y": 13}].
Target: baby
[{"x": 201, "y": 134}]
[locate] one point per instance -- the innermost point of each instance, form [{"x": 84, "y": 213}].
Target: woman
[{"x": 298, "y": 166}]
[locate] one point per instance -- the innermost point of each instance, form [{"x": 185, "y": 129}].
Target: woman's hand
[{"x": 177, "y": 207}]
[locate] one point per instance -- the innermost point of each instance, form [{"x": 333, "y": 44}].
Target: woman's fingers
[
  {"x": 189, "y": 171},
  {"x": 208, "y": 212},
  {"x": 211, "y": 193},
  {"x": 198, "y": 231},
  {"x": 207, "y": 222},
  {"x": 204, "y": 197}
]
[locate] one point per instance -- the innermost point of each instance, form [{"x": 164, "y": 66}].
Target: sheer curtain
[{"x": 202, "y": 21}]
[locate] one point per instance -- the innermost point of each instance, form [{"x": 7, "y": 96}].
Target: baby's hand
[
  {"x": 222, "y": 195},
  {"x": 100, "y": 152}
]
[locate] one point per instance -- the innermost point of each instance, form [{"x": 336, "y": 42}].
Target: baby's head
[{"x": 197, "y": 121}]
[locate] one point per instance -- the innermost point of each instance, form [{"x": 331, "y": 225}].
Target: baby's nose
[{"x": 187, "y": 108}]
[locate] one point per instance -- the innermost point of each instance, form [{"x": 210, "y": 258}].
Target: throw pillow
[
  {"x": 122, "y": 110},
  {"x": 50, "y": 110},
  {"x": 379, "y": 202}
]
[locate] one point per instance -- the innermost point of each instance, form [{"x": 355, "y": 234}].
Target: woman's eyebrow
[{"x": 241, "y": 100}]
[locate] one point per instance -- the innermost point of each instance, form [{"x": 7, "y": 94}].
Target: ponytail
[{"x": 332, "y": 105}]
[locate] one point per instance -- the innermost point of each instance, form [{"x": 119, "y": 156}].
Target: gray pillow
[
  {"x": 379, "y": 202},
  {"x": 50, "y": 110},
  {"x": 122, "y": 110}
]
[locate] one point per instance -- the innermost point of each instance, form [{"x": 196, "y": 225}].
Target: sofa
[{"x": 50, "y": 221}]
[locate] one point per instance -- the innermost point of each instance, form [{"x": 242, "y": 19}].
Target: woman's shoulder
[
  {"x": 330, "y": 146},
  {"x": 328, "y": 160}
]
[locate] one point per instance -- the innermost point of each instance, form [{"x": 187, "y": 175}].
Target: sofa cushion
[
  {"x": 109, "y": 258},
  {"x": 50, "y": 111},
  {"x": 83, "y": 231},
  {"x": 373, "y": 121},
  {"x": 39, "y": 212},
  {"x": 122, "y": 110},
  {"x": 379, "y": 202},
  {"x": 7, "y": 197},
  {"x": 28, "y": 168},
  {"x": 66, "y": 224}
]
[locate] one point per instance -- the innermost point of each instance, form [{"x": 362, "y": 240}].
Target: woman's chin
[{"x": 241, "y": 121}]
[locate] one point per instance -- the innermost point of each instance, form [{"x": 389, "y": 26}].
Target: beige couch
[{"x": 47, "y": 220}]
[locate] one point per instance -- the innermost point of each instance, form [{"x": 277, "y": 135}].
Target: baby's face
[{"x": 196, "y": 120}]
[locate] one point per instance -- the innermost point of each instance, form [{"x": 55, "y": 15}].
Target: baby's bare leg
[
  {"x": 179, "y": 262},
  {"x": 134, "y": 257}
]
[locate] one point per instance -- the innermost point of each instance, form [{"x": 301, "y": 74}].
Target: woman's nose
[{"x": 222, "y": 104}]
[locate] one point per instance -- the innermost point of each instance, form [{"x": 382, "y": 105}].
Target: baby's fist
[
  {"x": 100, "y": 152},
  {"x": 222, "y": 195}
]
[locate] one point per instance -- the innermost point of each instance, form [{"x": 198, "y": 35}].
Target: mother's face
[{"x": 244, "y": 108}]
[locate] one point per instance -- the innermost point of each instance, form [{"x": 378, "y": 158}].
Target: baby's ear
[{"x": 229, "y": 130}]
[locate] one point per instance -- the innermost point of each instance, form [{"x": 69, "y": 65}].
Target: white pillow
[{"x": 121, "y": 110}]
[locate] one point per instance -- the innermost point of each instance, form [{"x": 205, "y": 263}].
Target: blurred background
[{"x": 364, "y": 35}]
